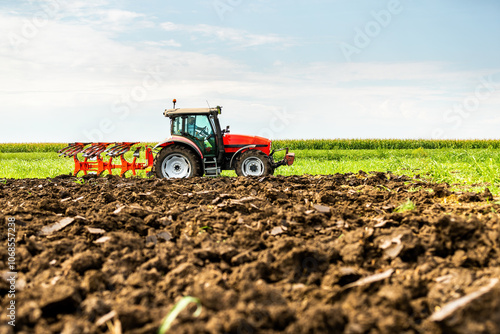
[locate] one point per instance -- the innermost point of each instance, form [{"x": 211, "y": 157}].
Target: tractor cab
[{"x": 200, "y": 126}]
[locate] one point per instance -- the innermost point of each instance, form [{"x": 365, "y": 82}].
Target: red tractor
[{"x": 197, "y": 146}]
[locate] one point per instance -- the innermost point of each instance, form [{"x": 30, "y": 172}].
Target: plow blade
[
  {"x": 72, "y": 149},
  {"x": 97, "y": 158},
  {"x": 95, "y": 150}
]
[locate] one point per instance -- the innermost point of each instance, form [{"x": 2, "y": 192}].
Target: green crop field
[
  {"x": 466, "y": 165},
  {"x": 311, "y": 144},
  {"x": 390, "y": 144}
]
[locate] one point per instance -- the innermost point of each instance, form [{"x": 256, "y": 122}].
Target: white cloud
[
  {"x": 67, "y": 60},
  {"x": 95, "y": 13},
  {"x": 235, "y": 36},
  {"x": 117, "y": 15},
  {"x": 170, "y": 42}
]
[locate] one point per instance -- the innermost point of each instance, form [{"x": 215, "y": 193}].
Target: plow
[
  {"x": 99, "y": 157},
  {"x": 197, "y": 146}
]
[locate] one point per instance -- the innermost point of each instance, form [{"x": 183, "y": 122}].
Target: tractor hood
[{"x": 233, "y": 143}]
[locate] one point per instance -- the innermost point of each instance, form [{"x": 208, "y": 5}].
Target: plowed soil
[{"x": 299, "y": 254}]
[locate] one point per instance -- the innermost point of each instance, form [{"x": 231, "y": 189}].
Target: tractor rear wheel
[
  {"x": 253, "y": 163},
  {"x": 175, "y": 162}
]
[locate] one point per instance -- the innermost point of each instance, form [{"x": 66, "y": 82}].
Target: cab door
[{"x": 199, "y": 129}]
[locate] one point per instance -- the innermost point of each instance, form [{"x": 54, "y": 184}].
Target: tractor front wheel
[
  {"x": 253, "y": 163},
  {"x": 175, "y": 162}
]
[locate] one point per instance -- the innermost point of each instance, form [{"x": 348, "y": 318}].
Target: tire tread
[
  {"x": 160, "y": 156},
  {"x": 268, "y": 169}
]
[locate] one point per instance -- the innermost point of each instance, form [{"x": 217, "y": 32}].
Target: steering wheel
[{"x": 203, "y": 132}]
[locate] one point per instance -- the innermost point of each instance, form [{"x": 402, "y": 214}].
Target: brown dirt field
[{"x": 298, "y": 254}]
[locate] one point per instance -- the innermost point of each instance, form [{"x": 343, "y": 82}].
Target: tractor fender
[
  {"x": 182, "y": 141},
  {"x": 240, "y": 151}
]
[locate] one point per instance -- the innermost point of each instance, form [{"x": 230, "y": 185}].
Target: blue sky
[{"x": 102, "y": 70}]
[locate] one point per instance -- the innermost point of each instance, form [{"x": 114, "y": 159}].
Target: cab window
[
  {"x": 199, "y": 127},
  {"x": 177, "y": 126}
]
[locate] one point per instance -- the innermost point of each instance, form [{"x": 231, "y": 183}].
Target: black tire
[
  {"x": 176, "y": 161},
  {"x": 253, "y": 163}
]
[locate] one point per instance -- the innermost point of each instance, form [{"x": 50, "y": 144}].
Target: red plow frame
[{"x": 93, "y": 162}]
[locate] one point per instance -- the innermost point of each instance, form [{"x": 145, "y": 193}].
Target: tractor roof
[{"x": 189, "y": 111}]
